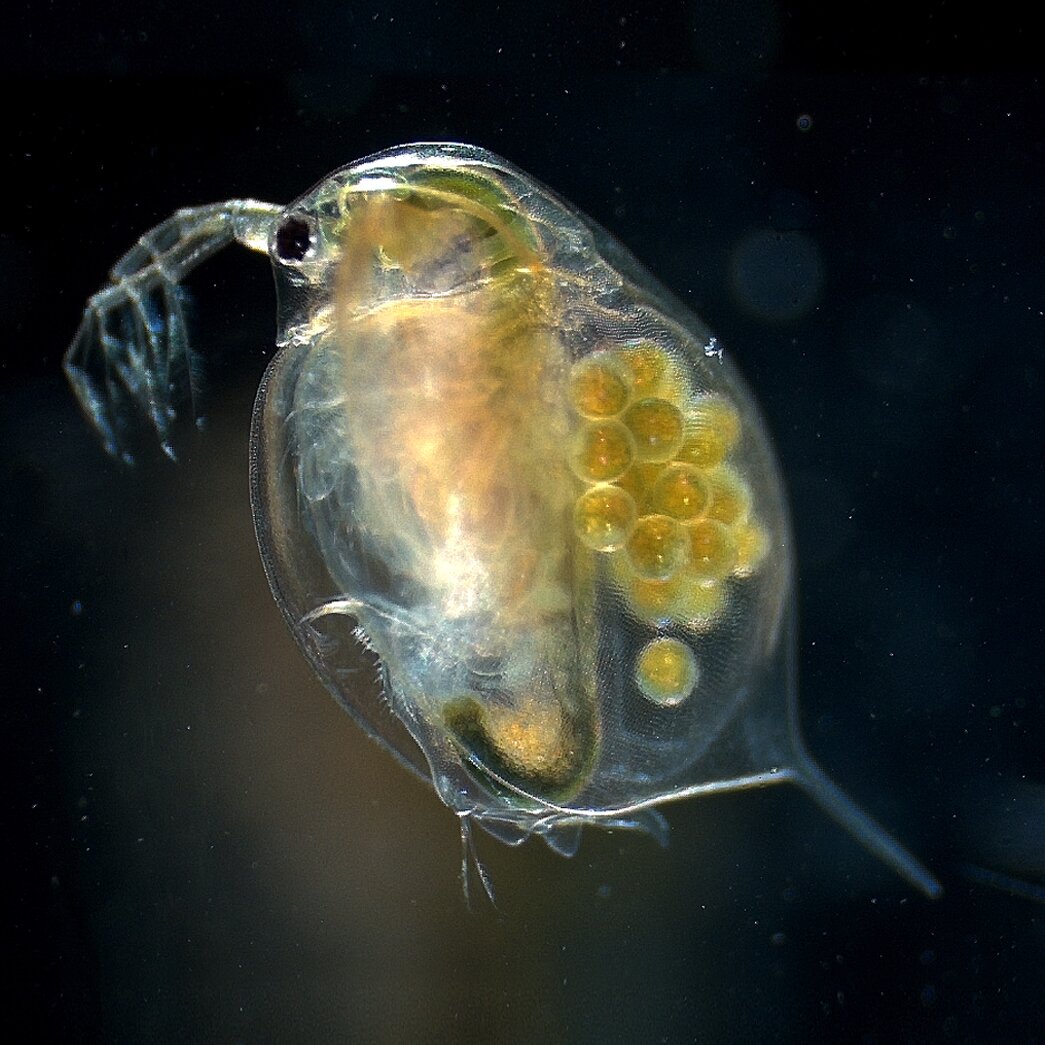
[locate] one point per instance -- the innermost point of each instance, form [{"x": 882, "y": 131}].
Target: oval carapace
[{"x": 494, "y": 450}]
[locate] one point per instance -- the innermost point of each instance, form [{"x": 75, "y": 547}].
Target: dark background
[{"x": 202, "y": 846}]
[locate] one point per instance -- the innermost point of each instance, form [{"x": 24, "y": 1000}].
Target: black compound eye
[{"x": 293, "y": 238}]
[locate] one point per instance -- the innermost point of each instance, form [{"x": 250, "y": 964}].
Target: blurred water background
[{"x": 204, "y": 847}]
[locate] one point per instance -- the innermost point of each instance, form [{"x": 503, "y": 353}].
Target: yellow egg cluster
[{"x": 662, "y": 497}]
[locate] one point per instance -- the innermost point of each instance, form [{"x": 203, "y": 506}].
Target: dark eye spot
[{"x": 293, "y": 238}]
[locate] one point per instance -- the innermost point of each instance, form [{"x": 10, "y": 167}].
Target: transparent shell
[{"x": 494, "y": 450}]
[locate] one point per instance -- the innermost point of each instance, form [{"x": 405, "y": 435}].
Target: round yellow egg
[
  {"x": 648, "y": 368},
  {"x": 598, "y": 387},
  {"x": 713, "y": 551},
  {"x": 604, "y": 517},
  {"x": 656, "y": 426},
  {"x": 666, "y": 672},
  {"x": 602, "y": 451},
  {"x": 681, "y": 492},
  {"x": 658, "y": 547}
]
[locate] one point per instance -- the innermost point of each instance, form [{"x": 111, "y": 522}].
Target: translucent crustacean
[{"x": 494, "y": 450}]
